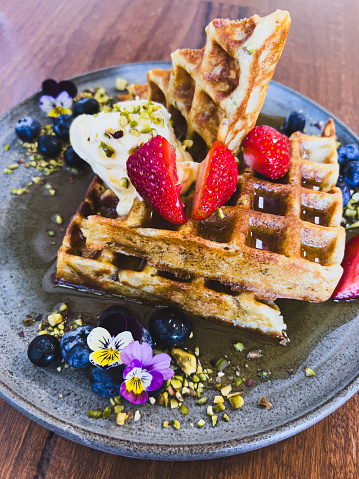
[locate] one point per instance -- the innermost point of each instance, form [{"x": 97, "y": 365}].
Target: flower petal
[
  {"x": 47, "y": 103},
  {"x": 134, "y": 391},
  {"x": 105, "y": 358},
  {"x": 161, "y": 363},
  {"x": 157, "y": 381},
  {"x": 135, "y": 350},
  {"x": 127, "y": 371},
  {"x": 122, "y": 340},
  {"x": 64, "y": 100},
  {"x": 59, "y": 110},
  {"x": 69, "y": 86},
  {"x": 99, "y": 338},
  {"x": 51, "y": 87}
]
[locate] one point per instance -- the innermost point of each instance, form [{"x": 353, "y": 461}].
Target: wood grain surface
[{"x": 59, "y": 39}]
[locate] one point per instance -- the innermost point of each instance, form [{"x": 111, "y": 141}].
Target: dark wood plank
[{"x": 42, "y": 39}]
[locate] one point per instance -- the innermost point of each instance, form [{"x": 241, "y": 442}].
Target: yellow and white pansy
[{"x": 106, "y": 348}]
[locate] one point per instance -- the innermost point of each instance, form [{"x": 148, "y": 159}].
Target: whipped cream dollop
[{"x": 107, "y": 140}]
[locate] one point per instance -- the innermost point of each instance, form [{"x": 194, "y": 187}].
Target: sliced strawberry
[
  {"x": 348, "y": 286},
  {"x": 267, "y": 151},
  {"x": 153, "y": 172},
  {"x": 216, "y": 181}
]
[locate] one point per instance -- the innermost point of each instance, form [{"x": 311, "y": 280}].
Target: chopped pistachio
[
  {"x": 121, "y": 84},
  {"x": 183, "y": 409},
  {"x": 63, "y": 307},
  {"x": 226, "y": 390},
  {"x": 210, "y": 411},
  {"x": 176, "y": 424},
  {"x": 55, "y": 318},
  {"x": 165, "y": 424},
  {"x": 52, "y": 192},
  {"x": 109, "y": 152},
  {"x": 214, "y": 420},
  {"x": 7, "y": 171},
  {"x": 118, "y": 408},
  {"x": 79, "y": 323},
  {"x": 220, "y": 213},
  {"x": 94, "y": 413},
  {"x": 235, "y": 400},
  {"x": 238, "y": 381},
  {"x": 14, "y": 166},
  {"x": 124, "y": 182},
  {"x": 226, "y": 417},
  {"x": 58, "y": 219},
  {"x": 42, "y": 332},
  {"x": 185, "y": 390},
  {"x": 188, "y": 143},
  {"x": 309, "y": 372},
  {"x": 118, "y": 399},
  {"x": 163, "y": 399},
  {"x": 137, "y": 416},
  {"x": 218, "y": 399},
  {"x": 135, "y": 132},
  {"x": 174, "y": 403},
  {"x": 112, "y": 401},
  {"x": 201, "y": 423},
  {"x": 220, "y": 407},
  {"x": 263, "y": 401},
  {"x": 185, "y": 360},
  {"x": 121, "y": 418},
  {"x": 202, "y": 401},
  {"x": 106, "y": 413},
  {"x": 221, "y": 364},
  {"x": 6, "y": 147},
  {"x": 152, "y": 400},
  {"x": 238, "y": 346}
]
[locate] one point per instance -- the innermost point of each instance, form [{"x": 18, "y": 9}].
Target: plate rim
[{"x": 179, "y": 452}]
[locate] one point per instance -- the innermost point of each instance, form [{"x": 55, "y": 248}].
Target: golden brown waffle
[
  {"x": 132, "y": 277},
  {"x": 278, "y": 239},
  {"x": 217, "y": 93}
]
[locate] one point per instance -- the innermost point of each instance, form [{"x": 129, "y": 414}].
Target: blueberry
[
  {"x": 117, "y": 319},
  {"x": 74, "y": 349},
  {"x": 86, "y": 105},
  {"x": 294, "y": 122},
  {"x": 28, "y": 129},
  {"x": 106, "y": 382},
  {"x": 49, "y": 146},
  {"x": 44, "y": 350},
  {"x": 169, "y": 327},
  {"x": 146, "y": 337},
  {"x": 342, "y": 184},
  {"x": 351, "y": 174},
  {"x": 72, "y": 159},
  {"x": 348, "y": 152},
  {"x": 61, "y": 125}
]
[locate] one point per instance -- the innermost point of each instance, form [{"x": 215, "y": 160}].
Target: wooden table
[{"x": 42, "y": 39}]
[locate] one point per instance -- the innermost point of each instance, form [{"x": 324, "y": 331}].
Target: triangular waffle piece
[
  {"x": 132, "y": 277},
  {"x": 217, "y": 93},
  {"x": 278, "y": 239}
]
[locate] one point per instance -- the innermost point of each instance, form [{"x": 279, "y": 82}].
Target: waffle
[
  {"x": 278, "y": 239},
  {"x": 133, "y": 278},
  {"x": 217, "y": 93}
]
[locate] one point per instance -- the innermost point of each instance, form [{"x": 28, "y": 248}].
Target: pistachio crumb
[
  {"x": 238, "y": 346},
  {"x": 121, "y": 84},
  {"x": 309, "y": 372},
  {"x": 226, "y": 417},
  {"x": 263, "y": 401},
  {"x": 202, "y": 400},
  {"x": 201, "y": 423},
  {"x": 106, "y": 413},
  {"x": 58, "y": 219},
  {"x": 165, "y": 424},
  {"x": 121, "y": 418},
  {"x": 94, "y": 413},
  {"x": 214, "y": 420},
  {"x": 176, "y": 424},
  {"x": 226, "y": 390},
  {"x": 61, "y": 396},
  {"x": 210, "y": 411},
  {"x": 183, "y": 409},
  {"x": 152, "y": 400},
  {"x": 6, "y": 147}
]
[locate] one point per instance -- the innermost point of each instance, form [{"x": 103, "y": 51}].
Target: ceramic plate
[{"x": 324, "y": 337}]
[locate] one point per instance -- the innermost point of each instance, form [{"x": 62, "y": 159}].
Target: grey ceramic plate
[{"x": 324, "y": 337}]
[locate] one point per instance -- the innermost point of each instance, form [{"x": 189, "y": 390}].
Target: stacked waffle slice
[{"x": 217, "y": 93}]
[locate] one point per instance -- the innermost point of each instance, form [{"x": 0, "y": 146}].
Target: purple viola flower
[
  {"x": 57, "y": 97},
  {"x": 144, "y": 372}
]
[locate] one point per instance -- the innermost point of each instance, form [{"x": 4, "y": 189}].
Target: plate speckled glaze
[{"x": 324, "y": 336}]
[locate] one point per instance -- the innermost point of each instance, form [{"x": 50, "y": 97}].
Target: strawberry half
[
  {"x": 216, "y": 181},
  {"x": 348, "y": 286},
  {"x": 267, "y": 151},
  {"x": 153, "y": 172}
]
